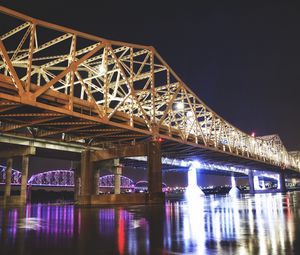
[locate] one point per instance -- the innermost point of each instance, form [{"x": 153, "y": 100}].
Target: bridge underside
[
  {"x": 59, "y": 149},
  {"x": 169, "y": 149}
]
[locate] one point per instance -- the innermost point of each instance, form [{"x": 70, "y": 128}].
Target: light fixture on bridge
[
  {"x": 179, "y": 106},
  {"x": 196, "y": 164},
  {"x": 189, "y": 114},
  {"x": 160, "y": 139},
  {"x": 102, "y": 69}
]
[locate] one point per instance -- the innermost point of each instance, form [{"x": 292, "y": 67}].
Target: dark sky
[{"x": 242, "y": 58}]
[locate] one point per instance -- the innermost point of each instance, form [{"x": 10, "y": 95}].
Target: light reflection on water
[{"x": 260, "y": 224}]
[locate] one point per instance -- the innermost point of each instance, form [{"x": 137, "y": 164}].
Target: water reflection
[{"x": 261, "y": 224}]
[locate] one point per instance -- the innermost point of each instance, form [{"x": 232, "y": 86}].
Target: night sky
[{"x": 243, "y": 60}]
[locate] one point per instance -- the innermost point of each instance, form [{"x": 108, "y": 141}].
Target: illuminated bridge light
[{"x": 179, "y": 106}]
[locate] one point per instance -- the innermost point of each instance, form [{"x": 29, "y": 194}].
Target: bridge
[
  {"x": 102, "y": 100},
  {"x": 61, "y": 178},
  {"x": 64, "y": 178}
]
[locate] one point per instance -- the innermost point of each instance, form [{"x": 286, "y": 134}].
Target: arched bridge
[
  {"x": 108, "y": 181},
  {"x": 57, "y": 178},
  {"x": 62, "y": 178},
  {"x": 61, "y": 84}
]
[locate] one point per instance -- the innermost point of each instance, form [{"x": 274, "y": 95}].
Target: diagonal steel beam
[
  {"x": 11, "y": 69},
  {"x": 71, "y": 67}
]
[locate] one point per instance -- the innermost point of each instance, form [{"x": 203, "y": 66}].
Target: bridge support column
[
  {"x": 28, "y": 193},
  {"x": 86, "y": 170},
  {"x": 24, "y": 178},
  {"x": 155, "y": 172},
  {"x": 96, "y": 181},
  {"x": 109, "y": 159},
  {"x": 256, "y": 183},
  {"x": 77, "y": 183},
  {"x": 251, "y": 182},
  {"x": 281, "y": 182},
  {"x": 8, "y": 172},
  {"x": 117, "y": 175}
]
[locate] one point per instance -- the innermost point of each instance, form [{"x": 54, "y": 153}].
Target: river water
[{"x": 259, "y": 224}]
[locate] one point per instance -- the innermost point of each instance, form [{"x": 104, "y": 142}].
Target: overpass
[{"x": 111, "y": 99}]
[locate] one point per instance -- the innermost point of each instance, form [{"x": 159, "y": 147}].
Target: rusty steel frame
[{"x": 99, "y": 84}]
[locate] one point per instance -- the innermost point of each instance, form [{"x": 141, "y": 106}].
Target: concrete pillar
[
  {"x": 281, "y": 184},
  {"x": 8, "y": 172},
  {"x": 23, "y": 193},
  {"x": 86, "y": 173},
  {"x": 117, "y": 177},
  {"x": 154, "y": 168},
  {"x": 77, "y": 182},
  {"x": 251, "y": 182},
  {"x": 96, "y": 176},
  {"x": 256, "y": 183}
]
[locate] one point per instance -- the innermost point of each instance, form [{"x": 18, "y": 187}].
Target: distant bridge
[{"x": 62, "y": 178}]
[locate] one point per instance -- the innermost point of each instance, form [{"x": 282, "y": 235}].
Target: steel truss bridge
[
  {"x": 65, "y": 178},
  {"x": 64, "y": 85},
  {"x": 62, "y": 178}
]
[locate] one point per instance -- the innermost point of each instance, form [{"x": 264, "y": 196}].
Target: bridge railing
[{"x": 119, "y": 84}]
